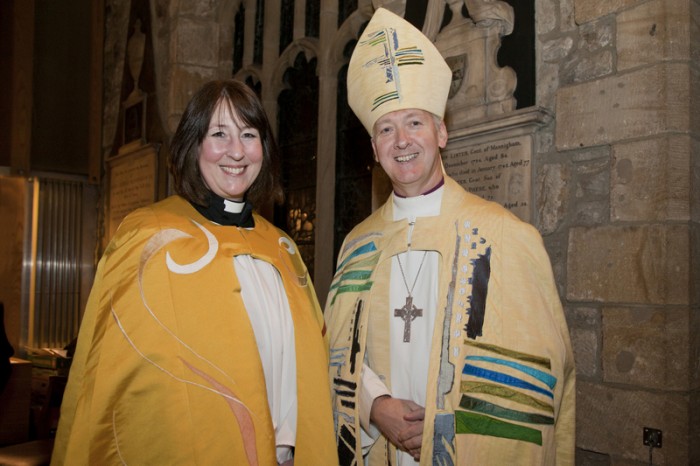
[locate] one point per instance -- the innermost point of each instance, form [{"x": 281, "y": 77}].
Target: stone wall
[{"x": 619, "y": 179}]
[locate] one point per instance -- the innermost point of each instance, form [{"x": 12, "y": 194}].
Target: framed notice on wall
[{"x": 132, "y": 183}]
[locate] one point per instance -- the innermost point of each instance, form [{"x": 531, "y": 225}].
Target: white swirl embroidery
[
  {"x": 200, "y": 263},
  {"x": 286, "y": 244}
]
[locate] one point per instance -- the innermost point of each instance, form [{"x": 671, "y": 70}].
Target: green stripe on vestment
[
  {"x": 508, "y": 393},
  {"x": 472, "y": 423}
]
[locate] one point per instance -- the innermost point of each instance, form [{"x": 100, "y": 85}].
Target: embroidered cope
[
  {"x": 498, "y": 378},
  {"x": 168, "y": 369}
]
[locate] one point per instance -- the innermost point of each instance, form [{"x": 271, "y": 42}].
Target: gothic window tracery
[
  {"x": 286, "y": 24},
  {"x": 313, "y": 18},
  {"x": 345, "y": 9},
  {"x": 353, "y": 166},
  {"x": 297, "y": 113},
  {"x": 297, "y": 137},
  {"x": 238, "y": 35},
  {"x": 259, "y": 22}
]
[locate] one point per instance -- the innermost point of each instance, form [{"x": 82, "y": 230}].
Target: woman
[{"x": 202, "y": 341}]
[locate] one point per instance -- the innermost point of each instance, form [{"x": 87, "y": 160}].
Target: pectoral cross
[{"x": 408, "y": 313}]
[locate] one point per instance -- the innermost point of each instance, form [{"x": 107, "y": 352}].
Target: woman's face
[{"x": 231, "y": 154}]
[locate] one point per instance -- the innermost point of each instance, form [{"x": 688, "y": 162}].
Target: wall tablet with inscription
[
  {"x": 498, "y": 170},
  {"x": 132, "y": 183}
]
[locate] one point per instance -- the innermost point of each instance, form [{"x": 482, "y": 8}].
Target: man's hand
[
  {"x": 400, "y": 421},
  {"x": 412, "y": 437}
]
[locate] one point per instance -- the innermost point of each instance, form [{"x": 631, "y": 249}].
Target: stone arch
[
  {"x": 308, "y": 46},
  {"x": 251, "y": 73},
  {"x": 348, "y": 31}
]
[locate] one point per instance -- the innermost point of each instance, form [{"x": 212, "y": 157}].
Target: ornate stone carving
[
  {"x": 480, "y": 87},
  {"x": 135, "y": 51}
]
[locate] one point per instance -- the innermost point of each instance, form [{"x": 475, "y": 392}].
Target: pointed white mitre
[{"x": 395, "y": 67}]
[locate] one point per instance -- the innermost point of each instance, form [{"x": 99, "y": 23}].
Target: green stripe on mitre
[
  {"x": 472, "y": 423},
  {"x": 504, "y": 392},
  {"x": 540, "y": 361}
]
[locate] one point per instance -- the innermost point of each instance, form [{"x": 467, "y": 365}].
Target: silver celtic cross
[{"x": 408, "y": 313}]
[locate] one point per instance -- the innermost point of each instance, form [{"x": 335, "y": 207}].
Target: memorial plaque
[
  {"x": 497, "y": 170},
  {"x": 132, "y": 183}
]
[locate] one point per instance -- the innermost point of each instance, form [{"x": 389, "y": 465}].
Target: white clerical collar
[
  {"x": 425, "y": 205},
  {"x": 233, "y": 207}
]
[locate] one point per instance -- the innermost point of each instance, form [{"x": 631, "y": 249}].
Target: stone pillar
[
  {"x": 192, "y": 45},
  {"x": 328, "y": 66}
]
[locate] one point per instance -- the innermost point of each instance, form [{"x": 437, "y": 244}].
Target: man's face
[{"x": 407, "y": 144}]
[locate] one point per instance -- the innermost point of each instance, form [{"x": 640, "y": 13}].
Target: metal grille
[{"x": 54, "y": 314}]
